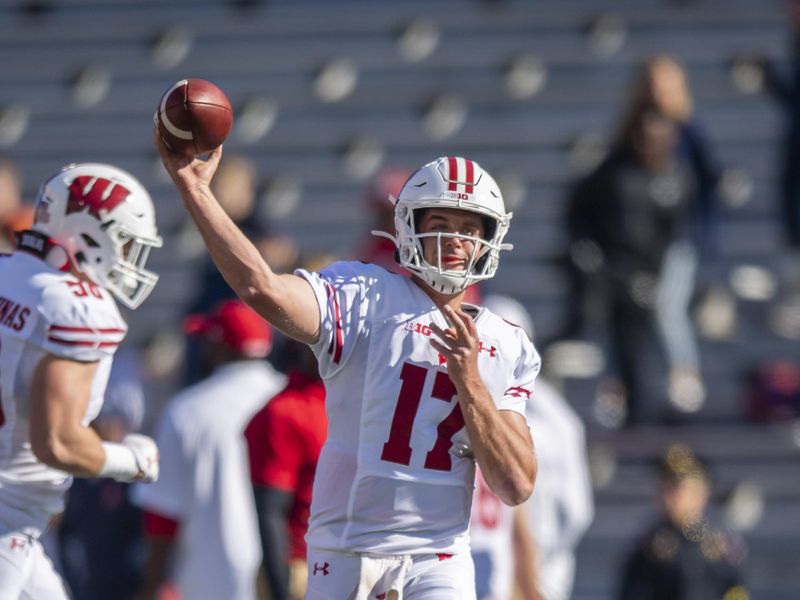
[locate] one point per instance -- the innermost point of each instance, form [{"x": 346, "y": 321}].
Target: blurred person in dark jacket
[
  {"x": 682, "y": 556},
  {"x": 785, "y": 88},
  {"x": 635, "y": 224}
]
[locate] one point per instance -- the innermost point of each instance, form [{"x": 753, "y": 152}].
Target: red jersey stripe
[
  {"x": 68, "y": 328},
  {"x": 92, "y": 343}
]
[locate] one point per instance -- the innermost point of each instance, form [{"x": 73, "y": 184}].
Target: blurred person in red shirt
[{"x": 284, "y": 440}]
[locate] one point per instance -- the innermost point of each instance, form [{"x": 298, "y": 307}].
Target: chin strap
[{"x": 44, "y": 248}]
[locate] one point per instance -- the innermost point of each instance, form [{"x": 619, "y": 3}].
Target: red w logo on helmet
[{"x": 95, "y": 194}]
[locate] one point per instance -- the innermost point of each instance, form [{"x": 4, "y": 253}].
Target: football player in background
[
  {"x": 59, "y": 329},
  {"x": 419, "y": 385},
  {"x": 200, "y": 519},
  {"x": 534, "y": 544}
]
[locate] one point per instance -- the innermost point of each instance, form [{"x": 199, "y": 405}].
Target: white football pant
[
  {"x": 26, "y": 572},
  {"x": 351, "y": 576}
]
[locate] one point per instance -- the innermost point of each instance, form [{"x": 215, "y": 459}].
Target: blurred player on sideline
[
  {"x": 200, "y": 516},
  {"x": 419, "y": 385},
  {"x": 534, "y": 544},
  {"x": 59, "y": 329}
]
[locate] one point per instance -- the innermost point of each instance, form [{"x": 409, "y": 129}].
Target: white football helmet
[
  {"x": 105, "y": 221},
  {"x": 450, "y": 182}
]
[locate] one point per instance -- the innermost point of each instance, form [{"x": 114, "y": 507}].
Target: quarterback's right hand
[
  {"x": 145, "y": 452},
  {"x": 188, "y": 174}
]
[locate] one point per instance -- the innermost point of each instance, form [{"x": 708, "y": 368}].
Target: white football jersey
[
  {"x": 44, "y": 311},
  {"x": 396, "y": 475}
]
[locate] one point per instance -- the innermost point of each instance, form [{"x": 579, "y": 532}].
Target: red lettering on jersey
[
  {"x": 12, "y": 314},
  {"x": 21, "y": 320},
  {"x": 8, "y": 320},
  {"x": 95, "y": 194},
  {"x": 418, "y": 328},
  {"x": 82, "y": 289},
  {"x": 518, "y": 392},
  {"x": 426, "y": 331},
  {"x": 323, "y": 568}
]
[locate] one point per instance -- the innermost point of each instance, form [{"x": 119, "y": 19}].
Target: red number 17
[{"x": 397, "y": 448}]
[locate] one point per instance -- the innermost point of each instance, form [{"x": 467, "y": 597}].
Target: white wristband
[{"x": 120, "y": 463}]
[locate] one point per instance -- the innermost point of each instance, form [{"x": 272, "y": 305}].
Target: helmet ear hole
[{"x": 489, "y": 228}]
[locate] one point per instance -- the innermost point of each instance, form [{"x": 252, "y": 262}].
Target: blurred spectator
[
  {"x": 635, "y": 225},
  {"x": 235, "y": 186},
  {"x": 535, "y": 543},
  {"x": 773, "y": 391},
  {"x": 201, "y": 513},
  {"x": 785, "y": 88},
  {"x": 14, "y": 215},
  {"x": 682, "y": 557},
  {"x": 100, "y": 540},
  {"x": 284, "y": 440}
]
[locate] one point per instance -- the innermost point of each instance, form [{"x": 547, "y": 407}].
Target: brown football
[{"x": 194, "y": 117}]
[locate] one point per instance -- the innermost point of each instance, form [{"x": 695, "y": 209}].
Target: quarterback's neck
[{"x": 439, "y": 299}]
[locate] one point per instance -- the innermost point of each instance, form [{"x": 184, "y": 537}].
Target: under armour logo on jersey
[
  {"x": 490, "y": 349},
  {"x": 95, "y": 194},
  {"x": 323, "y": 568},
  {"x": 17, "y": 542},
  {"x": 518, "y": 392},
  {"x": 459, "y": 173}
]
